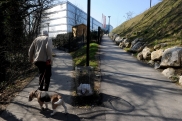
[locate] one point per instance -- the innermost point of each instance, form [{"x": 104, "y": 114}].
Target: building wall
[
  {"x": 63, "y": 17},
  {"x": 75, "y": 16},
  {"x": 57, "y": 19}
]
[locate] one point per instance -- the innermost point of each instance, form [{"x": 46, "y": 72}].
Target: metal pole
[
  {"x": 88, "y": 31},
  {"x": 109, "y": 24},
  {"x": 48, "y": 27}
]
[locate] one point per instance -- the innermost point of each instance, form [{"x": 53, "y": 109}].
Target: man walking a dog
[{"x": 40, "y": 53}]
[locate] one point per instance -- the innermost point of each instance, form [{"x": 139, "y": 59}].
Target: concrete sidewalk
[
  {"x": 61, "y": 81},
  {"x": 22, "y": 110}
]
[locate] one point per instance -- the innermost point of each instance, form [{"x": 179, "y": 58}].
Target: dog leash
[
  {"x": 47, "y": 63},
  {"x": 41, "y": 80}
]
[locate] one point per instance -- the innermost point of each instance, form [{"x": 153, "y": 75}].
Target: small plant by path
[
  {"x": 12, "y": 90},
  {"x": 79, "y": 58}
]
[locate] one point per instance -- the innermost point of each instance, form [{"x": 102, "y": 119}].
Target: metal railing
[{"x": 69, "y": 43}]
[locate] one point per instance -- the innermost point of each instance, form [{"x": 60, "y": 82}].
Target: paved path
[
  {"x": 130, "y": 91},
  {"x": 133, "y": 91},
  {"x": 22, "y": 110}
]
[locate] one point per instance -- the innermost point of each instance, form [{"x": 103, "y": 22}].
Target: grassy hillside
[{"x": 161, "y": 23}]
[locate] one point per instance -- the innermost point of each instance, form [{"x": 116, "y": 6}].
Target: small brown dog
[{"x": 44, "y": 97}]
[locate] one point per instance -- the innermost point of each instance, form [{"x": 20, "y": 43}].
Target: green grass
[
  {"x": 160, "y": 22},
  {"x": 79, "y": 56},
  {"x": 127, "y": 49}
]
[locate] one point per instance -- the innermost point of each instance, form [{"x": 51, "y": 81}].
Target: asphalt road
[{"x": 134, "y": 91}]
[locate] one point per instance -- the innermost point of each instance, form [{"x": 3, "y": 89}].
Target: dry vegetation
[{"x": 12, "y": 90}]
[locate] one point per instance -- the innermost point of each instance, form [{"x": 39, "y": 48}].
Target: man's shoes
[
  {"x": 40, "y": 89},
  {"x": 45, "y": 90}
]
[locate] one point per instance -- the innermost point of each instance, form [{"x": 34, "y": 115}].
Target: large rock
[
  {"x": 151, "y": 62},
  {"x": 146, "y": 52},
  {"x": 114, "y": 37},
  {"x": 137, "y": 47},
  {"x": 119, "y": 39},
  {"x": 180, "y": 80},
  {"x": 169, "y": 72},
  {"x": 157, "y": 64},
  {"x": 135, "y": 41},
  {"x": 172, "y": 57},
  {"x": 159, "y": 46},
  {"x": 128, "y": 44},
  {"x": 121, "y": 45},
  {"x": 140, "y": 56},
  {"x": 157, "y": 55},
  {"x": 125, "y": 43}
]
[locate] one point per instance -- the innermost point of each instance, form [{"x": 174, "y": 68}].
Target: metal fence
[{"x": 69, "y": 43}]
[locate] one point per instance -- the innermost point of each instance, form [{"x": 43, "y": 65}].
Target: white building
[{"x": 60, "y": 18}]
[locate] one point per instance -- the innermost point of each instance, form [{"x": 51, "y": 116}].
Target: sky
[{"x": 117, "y": 9}]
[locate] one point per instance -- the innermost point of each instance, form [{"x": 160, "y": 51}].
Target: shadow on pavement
[
  {"x": 60, "y": 116},
  {"x": 8, "y": 116}
]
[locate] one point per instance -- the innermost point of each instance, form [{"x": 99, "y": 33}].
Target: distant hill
[{"x": 160, "y": 23}]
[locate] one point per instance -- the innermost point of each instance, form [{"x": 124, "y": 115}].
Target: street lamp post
[
  {"x": 48, "y": 27},
  {"x": 88, "y": 31},
  {"x": 109, "y": 24}
]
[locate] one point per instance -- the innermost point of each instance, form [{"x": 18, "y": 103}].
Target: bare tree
[
  {"x": 19, "y": 21},
  {"x": 34, "y": 15},
  {"x": 129, "y": 15}
]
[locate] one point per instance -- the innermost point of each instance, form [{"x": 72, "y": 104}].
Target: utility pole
[
  {"x": 109, "y": 24},
  {"x": 150, "y": 3},
  {"x": 88, "y": 32},
  {"x": 48, "y": 27}
]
